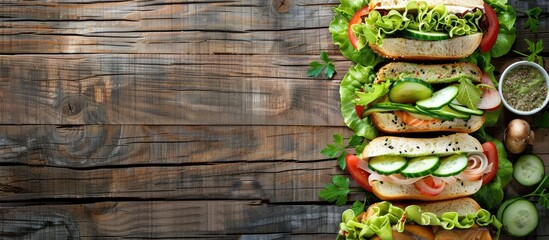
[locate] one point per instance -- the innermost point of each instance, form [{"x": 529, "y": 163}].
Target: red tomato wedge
[
  {"x": 359, "y": 111},
  {"x": 430, "y": 186},
  {"x": 412, "y": 121},
  {"x": 491, "y": 152},
  {"x": 358, "y": 174},
  {"x": 490, "y": 36},
  {"x": 356, "y": 19},
  {"x": 490, "y": 99}
]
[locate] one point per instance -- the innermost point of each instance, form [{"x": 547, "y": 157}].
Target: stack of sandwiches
[{"x": 425, "y": 103}]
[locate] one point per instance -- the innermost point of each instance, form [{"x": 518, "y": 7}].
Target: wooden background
[{"x": 164, "y": 119}]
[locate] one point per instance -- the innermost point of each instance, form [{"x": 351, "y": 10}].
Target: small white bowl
[{"x": 506, "y": 71}]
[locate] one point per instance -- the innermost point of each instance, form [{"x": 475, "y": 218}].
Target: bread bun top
[{"x": 414, "y": 147}]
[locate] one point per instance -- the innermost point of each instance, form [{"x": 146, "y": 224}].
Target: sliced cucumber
[
  {"x": 440, "y": 98},
  {"x": 520, "y": 218},
  {"x": 388, "y": 107},
  {"x": 410, "y": 90},
  {"x": 451, "y": 165},
  {"x": 528, "y": 170},
  {"x": 503, "y": 206},
  {"x": 466, "y": 110},
  {"x": 387, "y": 165},
  {"x": 446, "y": 113},
  {"x": 420, "y": 166},
  {"x": 427, "y": 36}
]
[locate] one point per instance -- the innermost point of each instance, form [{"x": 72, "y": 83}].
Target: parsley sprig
[
  {"x": 533, "y": 19},
  {"x": 338, "y": 149},
  {"x": 542, "y": 192},
  {"x": 315, "y": 67},
  {"x": 535, "y": 49},
  {"x": 336, "y": 191}
]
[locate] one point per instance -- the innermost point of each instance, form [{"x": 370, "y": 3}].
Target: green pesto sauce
[{"x": 524, "y": 88}]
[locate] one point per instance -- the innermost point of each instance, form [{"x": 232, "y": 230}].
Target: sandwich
[
  {"x": 424, "y": 30},
  {"x": 457, "y": 219},
  {"x": 428, "y": 169},
  {"x": 409, "y": 97}
]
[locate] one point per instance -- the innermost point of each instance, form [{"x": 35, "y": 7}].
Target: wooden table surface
[{"x": 162, "y": 119}]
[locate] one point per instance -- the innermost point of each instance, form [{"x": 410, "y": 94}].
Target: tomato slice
[
  {"x": 490, "y": 36},
  {"x": 358, "y": 174},
  {"x": 359, "y": 111},
  {"x": 430, "y": 186},
  {"x": 356, "y": 19},
  {"x": 491, "y": 152}
]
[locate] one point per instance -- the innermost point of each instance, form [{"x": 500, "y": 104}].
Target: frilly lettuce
[
  {"x": 338, "y": 28},
  {"x": 387, "y": 217},
  {"x": 436, "y": 19},
  {"x": 356, "y": 78}
]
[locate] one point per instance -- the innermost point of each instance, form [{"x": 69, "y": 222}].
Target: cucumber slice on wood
[
  {"x": 387, "y": 165},
  {"x": 520, "y": 218},
  {"x": 427, "y": 36},
  {"x": 451, "y": 165},
  {"x": 420, "y": 166},
  {"x": 410, "y": 90},
  {"x": 439, "y": 98},
  {"x": 529, "y": 170}
]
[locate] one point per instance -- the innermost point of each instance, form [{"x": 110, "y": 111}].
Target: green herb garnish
[
  {"x": 315, "y": 68},
  {"x": 535, "y": 49},
  {"x": 468, "y": 94},
  {"x": 533, "y": 19},
  {"x": 338, "y": 149},
  {"x": 336, "y": 191}
]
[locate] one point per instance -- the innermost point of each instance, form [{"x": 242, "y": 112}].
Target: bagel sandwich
[
  {"x": 410, "y": 97},
  {"x": 427, "y": 169},
  {"x": 456, "y": 219},
  {"x": 424, "y": 30}
]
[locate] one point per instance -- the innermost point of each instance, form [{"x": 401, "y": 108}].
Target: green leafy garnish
[
  {"x": 338, "y": 149},
  {"x": 541, "y": 192},
  {"x": 358, "y": 207},
  {"x": 336, "y": 191},
  {"x": 535, "y": 49},
  {"x": 468, "y": 94},
  {"x": 315, "y": 68},
  {"x": 533, "y": 19}
]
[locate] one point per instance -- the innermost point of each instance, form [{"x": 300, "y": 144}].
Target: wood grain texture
[
  {"x": 169, "y": 219},
  {"x": 166, "y": 89}
]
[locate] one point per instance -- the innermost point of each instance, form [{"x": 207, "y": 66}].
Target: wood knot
[{"x": 282, "y": 6}]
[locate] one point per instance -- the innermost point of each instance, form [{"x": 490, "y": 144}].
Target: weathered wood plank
[
  {"x": 273, "y": 181},
  {"x": 166, "y": 89},
  {"x": 168, "y": 219},
  {"x": 95, "y": 146},
  {"x": 197, "y": 27}
]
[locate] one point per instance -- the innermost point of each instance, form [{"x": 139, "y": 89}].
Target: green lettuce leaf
[
  {"x": 437, "y": 19},
  {"x": 338, "y": 28},
  {"x": 357, "y": 76}
]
